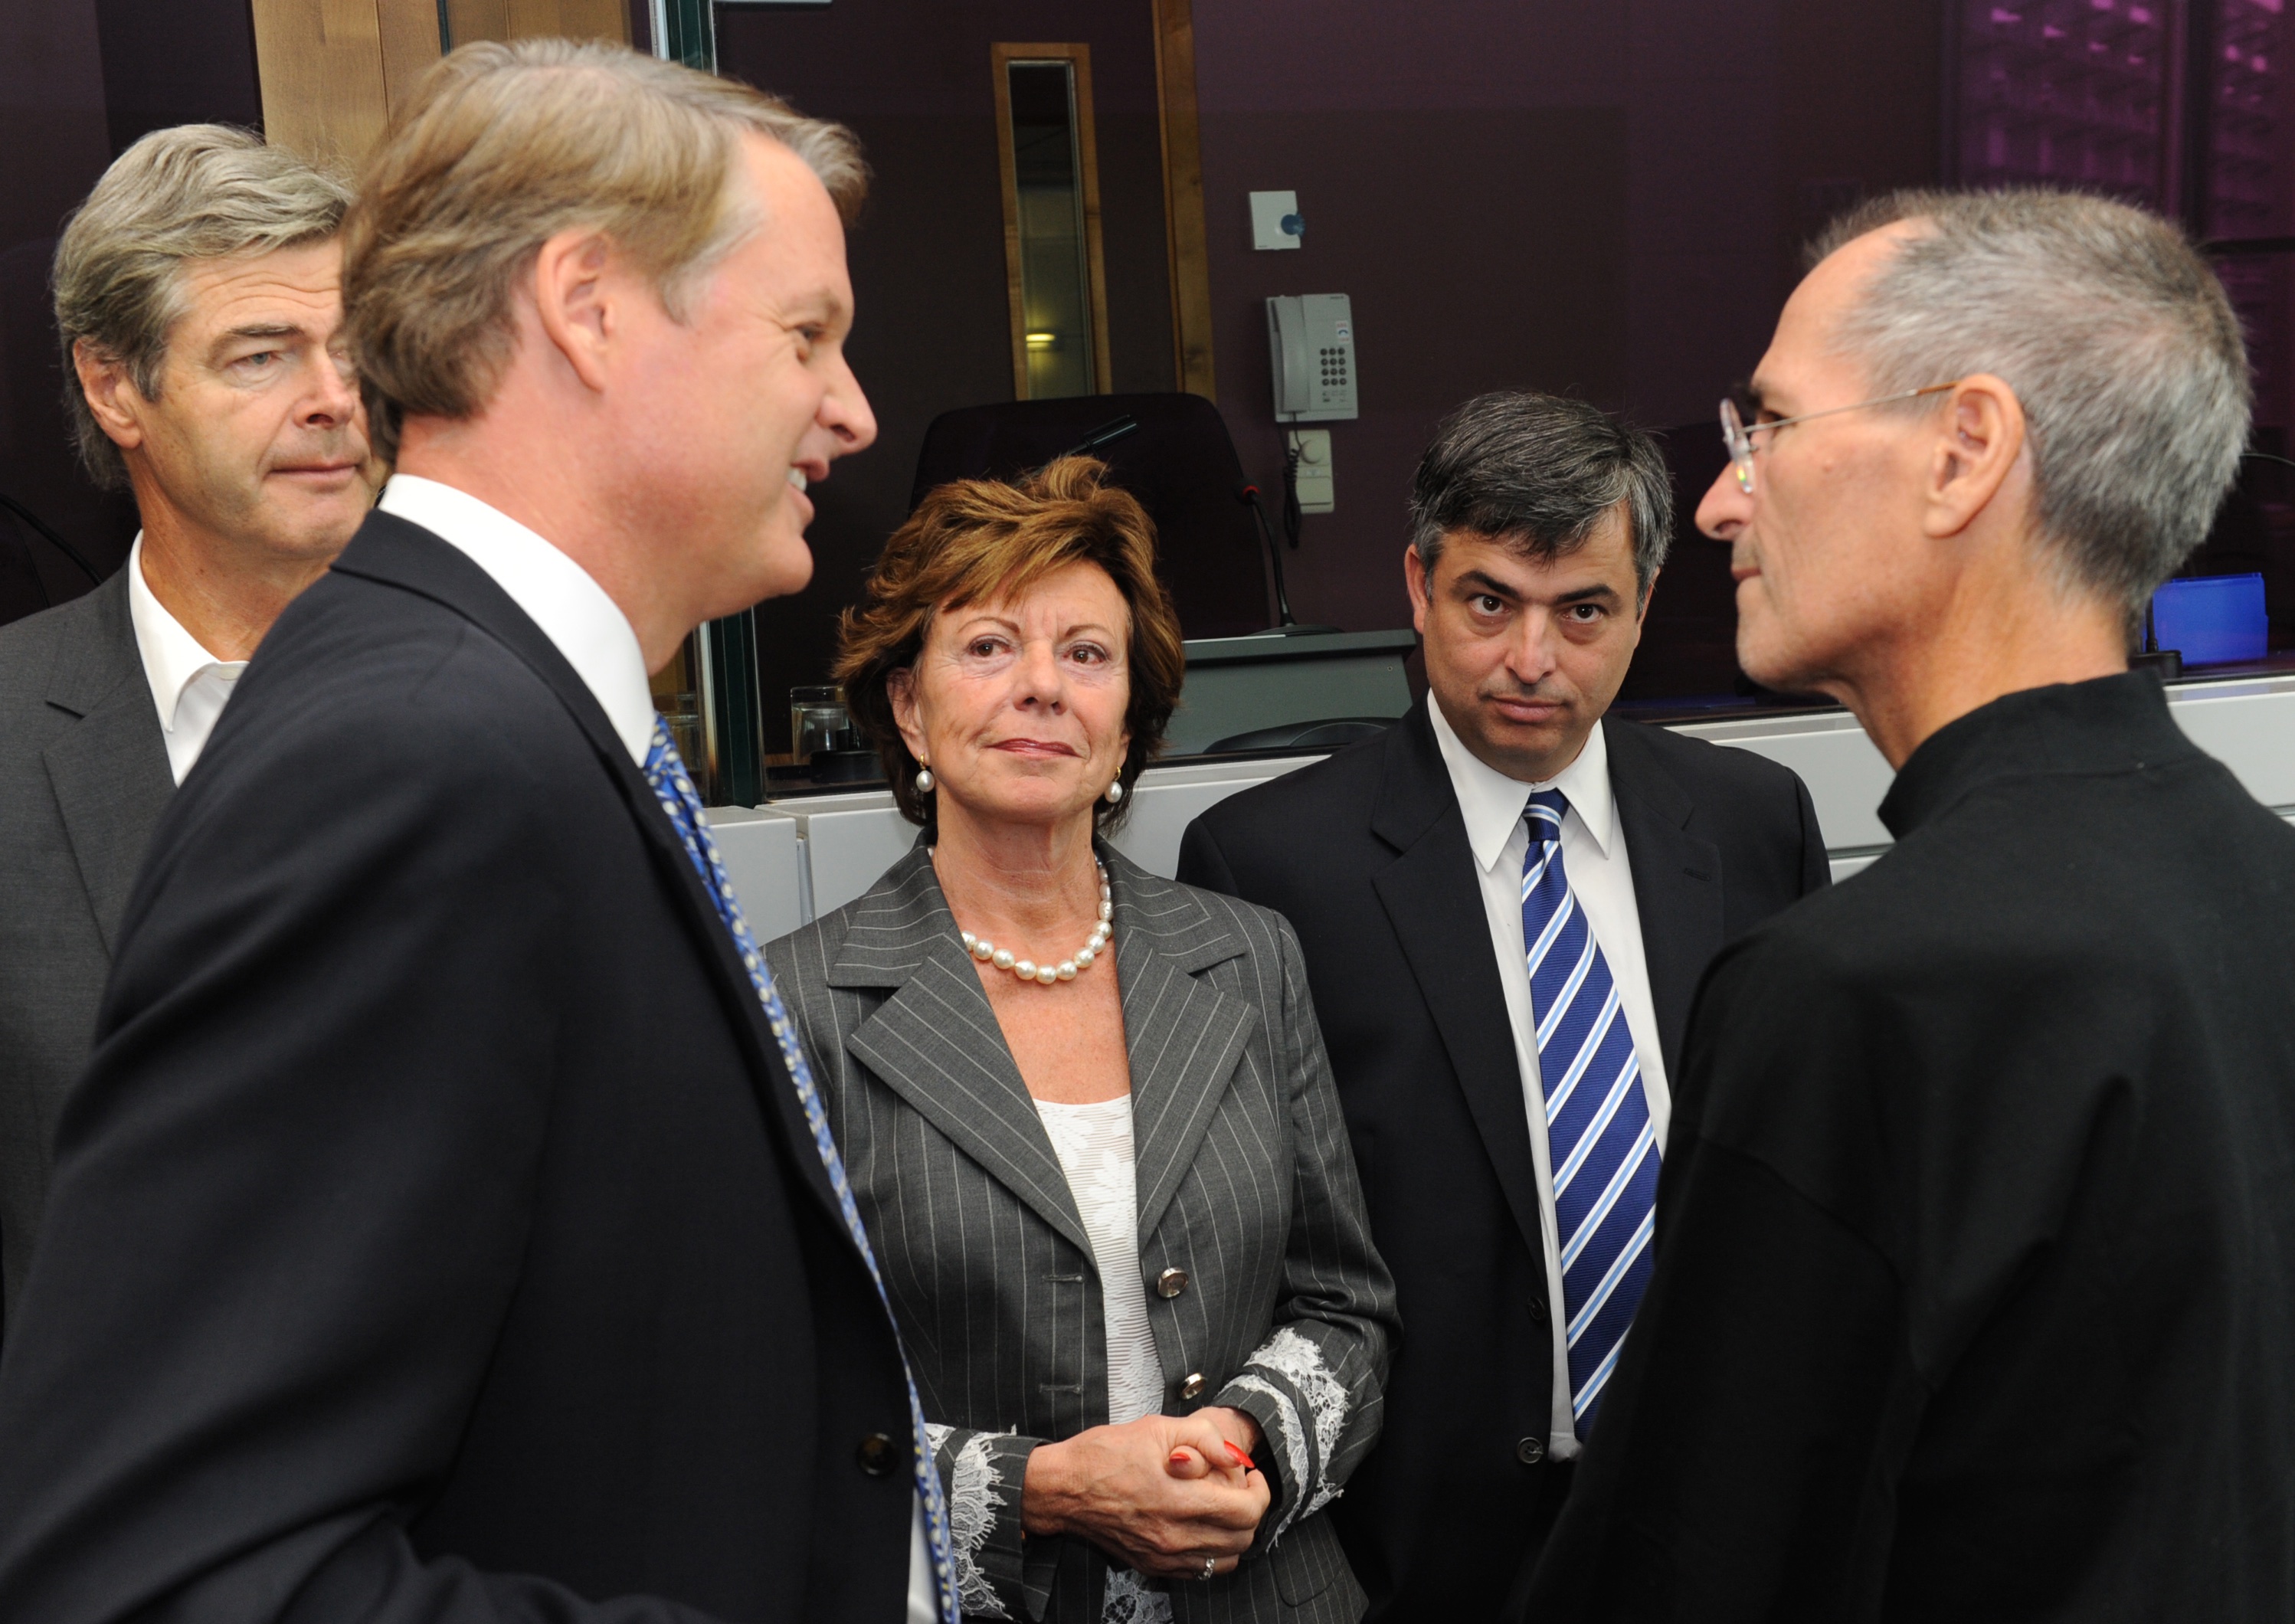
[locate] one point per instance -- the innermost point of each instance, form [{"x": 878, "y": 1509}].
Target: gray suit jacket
[
  {"x": 1246, "y": 1181},
  {"x": 83, "y": 778}
]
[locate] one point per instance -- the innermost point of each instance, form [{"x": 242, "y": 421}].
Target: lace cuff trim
[
  {"x": 1300, "y": 1364},
  {"x": 975, "y": 1497}
]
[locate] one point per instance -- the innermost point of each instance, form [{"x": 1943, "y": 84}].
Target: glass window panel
[
  {"x": 1055, "y": 270},
  {"x": 2252, "y": 189},
  {"x": 2066, "y": 92}
]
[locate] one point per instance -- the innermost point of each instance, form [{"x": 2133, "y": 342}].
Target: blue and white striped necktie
[
  {"x": 1598, "y": 1134},
  {"x": 666, "y": 775}
]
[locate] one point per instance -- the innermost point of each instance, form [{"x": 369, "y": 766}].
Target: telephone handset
[{"x": 1311, "y": 344}]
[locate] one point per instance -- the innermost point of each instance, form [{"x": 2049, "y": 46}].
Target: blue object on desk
[{"x": 2214, "y": 620}]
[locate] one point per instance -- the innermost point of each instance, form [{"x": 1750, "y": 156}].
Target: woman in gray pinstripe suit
[{"x": 1107, "y": 1179}]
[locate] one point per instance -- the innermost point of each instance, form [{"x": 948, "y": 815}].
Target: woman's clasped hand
[{"x": 1160, "y": 1494}]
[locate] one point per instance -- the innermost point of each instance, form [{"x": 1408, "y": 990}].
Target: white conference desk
[{"x": 794, "y": 860}]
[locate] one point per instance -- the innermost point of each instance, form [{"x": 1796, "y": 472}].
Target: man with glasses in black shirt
[{"x": 1973, "y": 1286}]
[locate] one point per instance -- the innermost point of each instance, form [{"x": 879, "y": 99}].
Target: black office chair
[
  {"x": 1332, "y": 733},
  {"x": 1180, "y": 462}
]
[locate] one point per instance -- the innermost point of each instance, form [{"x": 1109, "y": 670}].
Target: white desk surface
[{"x": 794, "y": 860}]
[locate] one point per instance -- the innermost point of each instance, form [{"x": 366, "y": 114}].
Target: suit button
[
  {"x": 1193, "y": 1387},
  {"x": 1536, "y": 1306},
  {"x": 1171, "y": 1283},
  {"x": 876, "y": 1455},
  {"x": 1530, "y": 1451}
]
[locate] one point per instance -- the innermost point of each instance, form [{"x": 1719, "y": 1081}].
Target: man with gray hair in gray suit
[{"x": 198, "y": 303}]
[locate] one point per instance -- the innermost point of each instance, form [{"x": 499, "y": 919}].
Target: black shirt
[{"x": 1974, "y": 1294}]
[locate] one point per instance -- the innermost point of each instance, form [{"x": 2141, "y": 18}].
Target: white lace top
[{"x": 1094, "y": 1145}]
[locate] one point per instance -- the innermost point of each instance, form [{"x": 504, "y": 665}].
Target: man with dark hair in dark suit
[
  {"x": 199, "y": 303},
  {"x": 1975, "y": 1288},
  {"x": 447, "y": 1227},
  {"x": 1506, "y": 902}
]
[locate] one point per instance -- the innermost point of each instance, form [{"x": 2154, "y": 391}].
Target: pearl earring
[
  {"x": 1116, "y": 792},
  {"x": 924, "y": 780}
]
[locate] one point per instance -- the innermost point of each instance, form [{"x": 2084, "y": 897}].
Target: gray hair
[
  {"x": 196, "y": 192},
  {"x": 1538, "y": 472},
  {"x": 2117, "y": 339}
]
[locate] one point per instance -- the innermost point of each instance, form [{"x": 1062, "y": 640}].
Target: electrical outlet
[
  {"x": 1275, "y": 222},
  {"x": 1316, "y": 493}
]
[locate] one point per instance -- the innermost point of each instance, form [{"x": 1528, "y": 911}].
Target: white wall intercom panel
[{"x": 1311, "y": 344}]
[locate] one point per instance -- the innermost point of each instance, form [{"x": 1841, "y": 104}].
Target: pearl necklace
[{"x": 1045, "y": 975}]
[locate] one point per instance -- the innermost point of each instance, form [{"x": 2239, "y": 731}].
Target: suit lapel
[
  {"x": 391, "y": 551},
  {"x": 934, "y": 1041},
  {"x": 922, "y": 1044},
  {"x": 109, "y": 771},
  {"x": 1184, "y": 1035},
  {"x": 1676, "y": 883},
  {"x": 1434, "y": 902}
]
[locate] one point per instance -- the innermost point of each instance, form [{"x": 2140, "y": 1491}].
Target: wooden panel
[
  {"x": 573, "y": 19},
  {"x": 1000, "y": 58},
  {"x": 333, "y": 70},
  {"x": 1184, "y": 231},
  {"x": 1087, "y": 162},
  {"x": 410, "y": 44},
  {"x": 470, "y": 19},
  {"x": 999, "y": 61},
  {"x": 321, "y": 66}
]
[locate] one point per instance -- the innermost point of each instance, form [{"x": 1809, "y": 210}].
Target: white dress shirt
[
  {"x": 1594, "y": 857},
  {"x": 589, "y": 629},
  {"x": 557, "y": 595},
  {"x": 190, "y": 686},
  {"x": 1094, "y": 1145}
]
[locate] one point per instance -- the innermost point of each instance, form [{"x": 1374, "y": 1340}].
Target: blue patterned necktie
[
  {"x": 1598, "y": 1132},
  {"x": 674, "y": 787}
]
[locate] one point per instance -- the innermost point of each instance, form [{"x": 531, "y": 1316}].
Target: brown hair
[
  {"x": 976, "y": 541},
  {"x": 506, "y": 145}
]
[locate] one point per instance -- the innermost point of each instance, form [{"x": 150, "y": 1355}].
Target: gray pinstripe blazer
[{"x": 1246, "y": 1181}]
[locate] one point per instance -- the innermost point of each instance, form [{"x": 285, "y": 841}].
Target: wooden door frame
[{"x": 1186, "y": 237}]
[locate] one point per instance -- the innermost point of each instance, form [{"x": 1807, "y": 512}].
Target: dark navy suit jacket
[
  {"x": 435, "y": 1234},
  {"x": 1366, "y": 853}
]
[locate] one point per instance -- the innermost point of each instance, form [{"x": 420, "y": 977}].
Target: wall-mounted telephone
[{"x": 1311, "y": 346}]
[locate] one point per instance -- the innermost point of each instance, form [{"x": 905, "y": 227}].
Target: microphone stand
[{"x": 1288, "y": 626}]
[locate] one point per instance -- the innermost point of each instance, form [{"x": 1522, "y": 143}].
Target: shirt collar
[
  {"x": 1492, "y": 802},
  {"x": 557, "y": 595},
  {"x": 173, "y": 658},
  {"x": 2104, "y": 725}
]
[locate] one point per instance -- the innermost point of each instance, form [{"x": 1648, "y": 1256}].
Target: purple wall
[
  {"x": 913, "y": 80},
  {"x": 79, "y": 81},
  {"x": 1594, "y": 199},
  {"x": 1573, "y": 195},
  {"x": 52, "y": 145}
]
